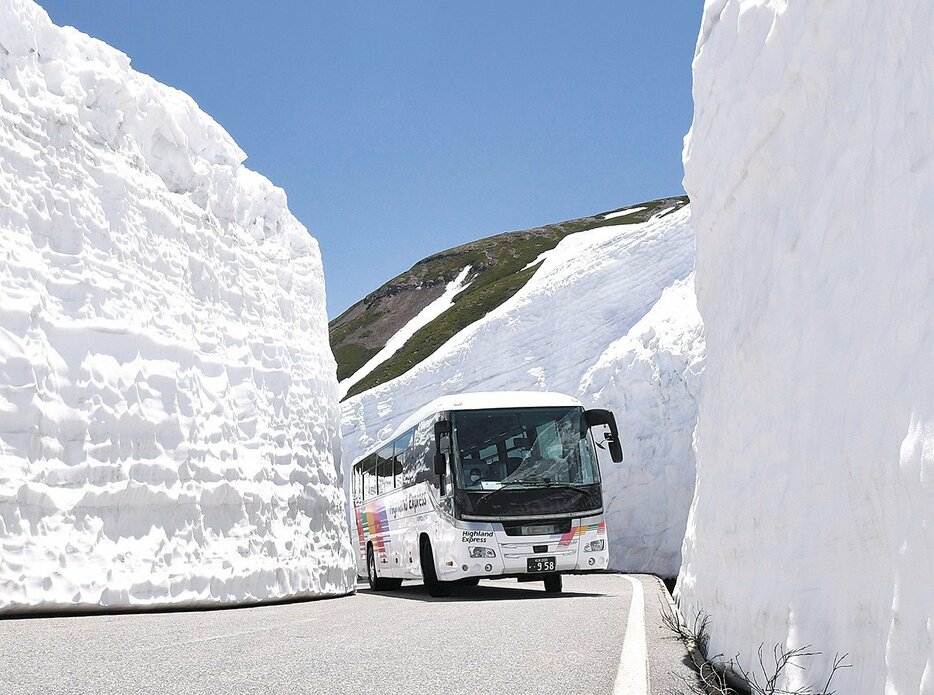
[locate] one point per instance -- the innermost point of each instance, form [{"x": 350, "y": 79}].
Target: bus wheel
[
  {"x": 376, "y": 582},
  {"x": 371, "y": 575},
  {"x": 553, "y": 584},
  {"x": 429, "y": 575}
]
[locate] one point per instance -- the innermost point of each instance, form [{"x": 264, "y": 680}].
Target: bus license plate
[{"x": 541, "y": 564}]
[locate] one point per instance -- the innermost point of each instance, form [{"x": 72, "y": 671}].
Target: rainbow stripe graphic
[
  {"x": 577, "y": 532},
  {"x": 361, "y": 537},
  {"x": 372, "y": 524}
]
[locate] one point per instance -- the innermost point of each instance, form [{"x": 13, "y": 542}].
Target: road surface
[{"x": 498, "y": 637}]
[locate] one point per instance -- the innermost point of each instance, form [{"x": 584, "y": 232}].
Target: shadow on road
[
  {"x": 90, "y": 611},
  {"x": 418, "y": 592}
]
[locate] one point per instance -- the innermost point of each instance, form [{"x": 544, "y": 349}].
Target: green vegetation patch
[{"x": 350, "y": 358}]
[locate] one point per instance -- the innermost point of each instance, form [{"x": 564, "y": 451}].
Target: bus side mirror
[
  {"x": 441, "y": 464},
  {"x": 598, "y": 416}
]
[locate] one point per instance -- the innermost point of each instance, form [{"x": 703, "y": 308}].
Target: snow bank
[
  {"x": 651, "y": 378},
  {"x": 811, "y": 176},
  {"x": 168, "y": 405},
  {"x": 592, "y": 289}
]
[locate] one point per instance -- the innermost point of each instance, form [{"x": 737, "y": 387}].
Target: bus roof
[
  {"x": 487, "y": 400},
  {"x": 482, "y": 400}
]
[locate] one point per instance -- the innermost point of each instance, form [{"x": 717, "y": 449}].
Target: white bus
[{"x": 484, "y": 485}]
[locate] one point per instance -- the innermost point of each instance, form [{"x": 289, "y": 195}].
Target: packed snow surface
[
  {"x": 621, "y": 213},
  {"x": 401, "y": 337},
  {"x": 810, "y": 167},
  {"x": 168, "y": 404},
  {"x": 608, "y": 317}
]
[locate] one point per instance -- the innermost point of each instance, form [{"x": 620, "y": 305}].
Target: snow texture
[
  {"x": 651, "y": 378},
  {"x": 608, "y": 317},
  {"x": 420, "y": 320},
  {"x": 168, "y": 404},
  {"x": 811, "y": 176},
  {"x": 621, "y": 213}
]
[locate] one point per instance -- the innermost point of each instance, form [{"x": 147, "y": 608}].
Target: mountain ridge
[{"x": 500, "y": 265}]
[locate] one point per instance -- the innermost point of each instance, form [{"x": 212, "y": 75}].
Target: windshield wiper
[{"x": 576, "y": 487}]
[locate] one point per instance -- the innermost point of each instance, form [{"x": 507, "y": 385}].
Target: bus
[{"x": 485, "y": 485}]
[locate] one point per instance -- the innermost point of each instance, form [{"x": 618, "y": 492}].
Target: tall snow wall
[
  {"x": 609, "y": 317},
  {"x": 168, "y": 400},
  {"x": 810, "y": 170}
]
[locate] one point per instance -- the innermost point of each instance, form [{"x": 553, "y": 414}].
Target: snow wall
[
  {"x": 608, "y": 317},
  {"x": 168, "y": 400},
  {"x": 811, "y": 176}
]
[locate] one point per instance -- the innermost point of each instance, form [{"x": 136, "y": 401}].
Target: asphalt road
[{"x": 499, "y": 637}]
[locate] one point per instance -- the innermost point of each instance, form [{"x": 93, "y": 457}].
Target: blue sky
[{"x": 401, "y": 129}]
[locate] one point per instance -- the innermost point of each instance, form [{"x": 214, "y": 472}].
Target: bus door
[
  {"x": 400, "y": 514},
  {"x": 382, "y": 539},
  {"x": 421, "y": 489}
]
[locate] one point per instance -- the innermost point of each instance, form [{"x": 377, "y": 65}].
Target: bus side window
[
  {"x": 356, "y": 488},
  {"x": 402, "y": 452},
  {"x": 369, "y": 476},
  {"x": 384, "y": 468},
  {"x": 423, "y": 451}
]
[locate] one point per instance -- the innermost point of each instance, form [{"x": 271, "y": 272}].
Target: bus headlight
[
  {"x": 595, "y": 546},
  {"x": 478, "y": 551}
]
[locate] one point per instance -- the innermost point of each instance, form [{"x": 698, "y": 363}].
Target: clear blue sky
[{"x": 401, "y": 129}]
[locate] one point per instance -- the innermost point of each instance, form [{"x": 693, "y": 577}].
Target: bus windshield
[{"x": 519, "y": 448}]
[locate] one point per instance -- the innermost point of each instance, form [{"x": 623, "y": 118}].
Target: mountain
[
  {"x": 167, "y": 394},
  {"x": 607, "y": 315},
  {"x": 494, "y": 269}
]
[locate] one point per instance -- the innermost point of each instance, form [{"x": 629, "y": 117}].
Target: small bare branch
[{"x": 714, "y": 672}]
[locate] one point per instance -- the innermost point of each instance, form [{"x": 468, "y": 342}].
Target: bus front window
[{"x": 523, "y": 447}]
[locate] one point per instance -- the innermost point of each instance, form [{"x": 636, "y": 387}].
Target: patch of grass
[{"x": 350, "y": 358}]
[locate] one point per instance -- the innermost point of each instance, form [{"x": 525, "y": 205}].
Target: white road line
[{"x": 632, "y": 678}]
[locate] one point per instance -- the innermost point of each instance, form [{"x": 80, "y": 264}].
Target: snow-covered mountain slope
[
  {"x": 499, "y": 267},
  {"x": 168, "y": 405},
  {"x": 609, "y": 316},
  {"x": 431, "y": 311},
  {"x": 811, "y": 176}
]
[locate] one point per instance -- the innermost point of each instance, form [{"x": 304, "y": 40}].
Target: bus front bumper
[{"x": 526, "y": 558}]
